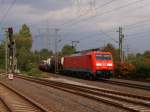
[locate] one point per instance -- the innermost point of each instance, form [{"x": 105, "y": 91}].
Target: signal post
[{"x": 9, "y": 53}]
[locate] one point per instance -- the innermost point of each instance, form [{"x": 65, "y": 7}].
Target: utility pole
[
  {"x": 6, "y": 51},
  {"x": 56, "y": 30},
  {"x": 46, "y": 37},
  {"x": 121, "y": 40},
  {"x": 128, "y": 48},
  {"x": 56, "y": 46}
]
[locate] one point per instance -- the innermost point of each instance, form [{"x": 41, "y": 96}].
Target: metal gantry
[
  {"x": 56, "y": 49},
  {"x": 121, "y": 41}
]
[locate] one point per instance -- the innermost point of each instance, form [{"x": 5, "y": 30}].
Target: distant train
[{"x": 90, "y": 65}]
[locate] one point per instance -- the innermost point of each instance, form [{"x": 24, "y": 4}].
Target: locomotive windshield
[{"x": 103, "y": 57}]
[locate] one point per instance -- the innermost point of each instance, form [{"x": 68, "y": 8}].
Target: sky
[{"x": 93, "y": 23}]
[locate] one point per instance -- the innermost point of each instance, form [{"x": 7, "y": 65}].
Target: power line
[
  {"x": 103, "y": 5},
  {"x": 7, "y": 11},
  {"x": 86, "y": 38},
  {"x": 138, "y": 36},
  {"x": 83, "y": 37},
  {"x": 115, "y": 9},
  {"x": 133, "y": 34},
  {"x": 112, "y": 11},
  {"x": 99, "y": 33},
  {"x": 133, "y": 25},
  {"x": 1, "y": 2},
  {"x": 96, "y": 40},
  {"x": 137, "y": 23},
  {"x": 109, "y": 35}
]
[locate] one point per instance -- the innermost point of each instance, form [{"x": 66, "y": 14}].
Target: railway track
[
  {"x": 12, "y": 100},
  {"x": 118, "y": 99},
  {"x": 3, "y": 107},
  {"x": 126, "y": 84}
]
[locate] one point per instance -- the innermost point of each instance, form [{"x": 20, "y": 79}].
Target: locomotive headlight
[
  {"x": 109, "y": 64},
  {"x": 98, "y": 64}
]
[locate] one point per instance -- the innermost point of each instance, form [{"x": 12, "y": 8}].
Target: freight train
[{"x": 90, "y": 65}]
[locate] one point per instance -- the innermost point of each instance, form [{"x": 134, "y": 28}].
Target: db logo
[{"x": 104, "y": 64}]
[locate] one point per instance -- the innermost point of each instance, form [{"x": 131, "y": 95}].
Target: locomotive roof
[
  {"x": 98, "y": 52},
  {"x": 88, "y": 53}
]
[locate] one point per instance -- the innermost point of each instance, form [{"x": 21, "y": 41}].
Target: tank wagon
[
  {"x": 46, "y": 65},
  {"x": 90, "y": 65},
  {"x": 42, "y": 65}
]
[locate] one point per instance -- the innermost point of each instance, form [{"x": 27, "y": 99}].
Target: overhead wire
[
  {"x": 132, "y": 34},
  {"x": 78, "y": 17},
  {"x": 97, "y": 40},
  {"x": 106, "y": 12},
  {"x": 114, "y": 10},
  {"x": 138, "y": 36},
  {"x": 120, "y": 8},
  {"x": 1, "y": 2},
  {"x": 7, "y": 12},
  {"x": 137, "y": 23}
]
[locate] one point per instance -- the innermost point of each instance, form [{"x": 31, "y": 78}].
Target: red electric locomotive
[{"x": 90, "y": 65}]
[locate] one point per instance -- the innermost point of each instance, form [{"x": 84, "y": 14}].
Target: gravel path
[
  {"x": 132, "y": 82},
  {"x": 100, "y": 84},
  {"x": 59, "y": 101}
]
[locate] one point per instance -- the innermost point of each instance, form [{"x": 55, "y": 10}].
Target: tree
[
  {"x": 2, "y": 55},
  {"x": 44, "y": 53},
  {"x": 23, "y": 40},
  {"x": 68, "y": 50},
  {"x": 23, "y": 59},
  {"x": 146, "y": 54}
]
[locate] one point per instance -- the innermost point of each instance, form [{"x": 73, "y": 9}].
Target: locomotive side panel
[{"x": 78, "y": 64}]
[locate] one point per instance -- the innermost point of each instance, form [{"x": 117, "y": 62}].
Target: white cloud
[{"x": 66, "y": 13}]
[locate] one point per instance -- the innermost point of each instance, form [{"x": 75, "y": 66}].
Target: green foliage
[
  {"x": 23, "y": 59},
  {"x": 2, "y": 56},
  {"x": 36, "y": 72},
  {"x": 44, "y": 53},
  {"x": 141, "y": 65},
  {"x": 146, "y": 54},
  {"x": 23, "y": 41},
  {"x": 136, "y": 66},
  {"x": 28, "y": 60},
  {"x": 68, "y": 50},
  {"x": 24, "y": 38},
  {"x": 142, "y": 71}
]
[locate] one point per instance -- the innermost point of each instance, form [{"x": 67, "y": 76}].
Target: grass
[{"x": 36, "y": 73}]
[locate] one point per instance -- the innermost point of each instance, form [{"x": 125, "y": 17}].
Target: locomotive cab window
[{"x": 103, "y": 57}]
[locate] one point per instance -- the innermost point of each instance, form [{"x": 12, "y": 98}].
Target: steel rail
[
  {"x": 24, "y": 97},
  {"x": 126, "y": 84},
  {"x": 114, "y": 98},
  {"x": 6, "y": 107}
]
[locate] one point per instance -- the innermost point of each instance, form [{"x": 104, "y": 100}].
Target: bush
[
  {"x": 129, "y": 70},
  {"x": 142, "y": 71},
  {"x": 36, "y": 73}
]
